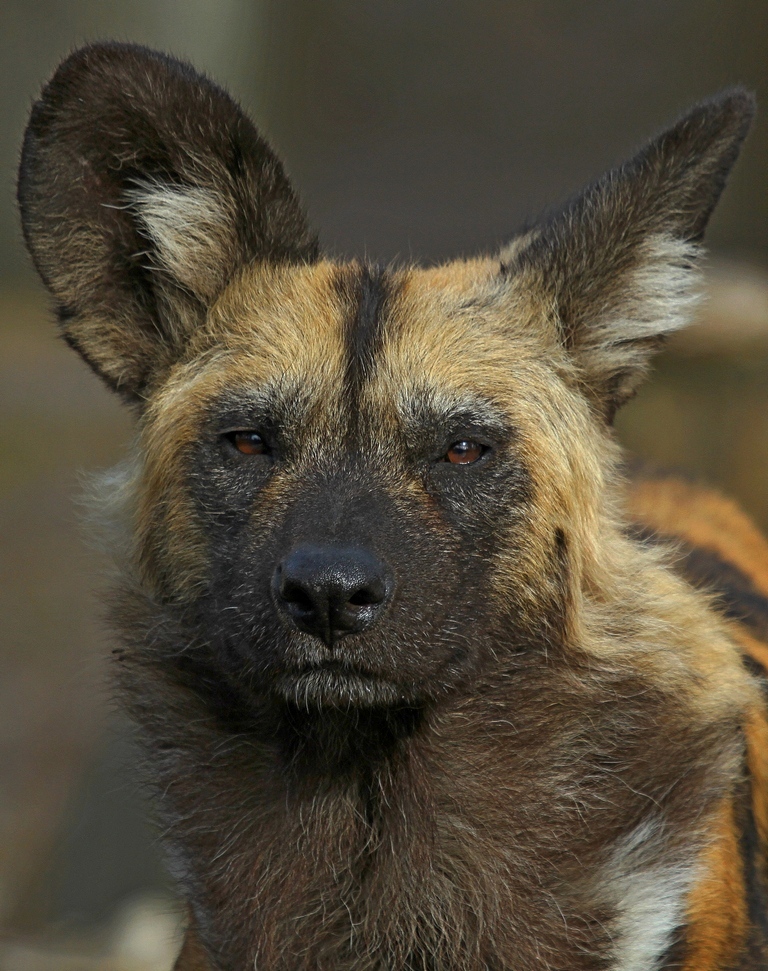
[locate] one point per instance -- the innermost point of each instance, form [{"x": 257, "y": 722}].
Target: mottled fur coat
[{"x": 422, "y": 686}]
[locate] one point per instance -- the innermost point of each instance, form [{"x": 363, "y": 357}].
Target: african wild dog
[{"x": 416, "y": 694}]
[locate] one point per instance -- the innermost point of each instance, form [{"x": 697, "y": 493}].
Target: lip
[
  {"x": 333, "y": 664},
  {"x": 334, "y": 684}
]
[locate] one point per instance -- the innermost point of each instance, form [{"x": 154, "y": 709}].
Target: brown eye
[
  {"x": 465, "y": 452},
  {"x": 248, "y": 442}
]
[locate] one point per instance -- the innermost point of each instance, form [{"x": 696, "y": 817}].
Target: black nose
[{"x": 330, "y": 591}]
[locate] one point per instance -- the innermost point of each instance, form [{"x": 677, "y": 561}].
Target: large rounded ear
[
  {"x": 619, "y": 263},
  {"x": 143, "y": 187}
]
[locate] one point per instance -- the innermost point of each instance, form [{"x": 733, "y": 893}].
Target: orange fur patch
[
  {"x": 717, "y": 911},
  {"x": 705, "y": 519},
  {"x": 757, "y": 760}
]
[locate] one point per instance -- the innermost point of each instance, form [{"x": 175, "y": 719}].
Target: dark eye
[
  {"x": 465, "y": 452},
  {"x": 248, "y": 442}
]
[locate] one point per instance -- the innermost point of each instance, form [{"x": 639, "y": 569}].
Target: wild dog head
[{"x": 357, "y": 486}]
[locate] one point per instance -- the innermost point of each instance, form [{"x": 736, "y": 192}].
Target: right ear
[{"x": 143, "y": 188}]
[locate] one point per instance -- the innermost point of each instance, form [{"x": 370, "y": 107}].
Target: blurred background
[{"x": 413, "y": 129}]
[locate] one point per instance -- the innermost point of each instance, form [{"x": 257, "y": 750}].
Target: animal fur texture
[{"x": 424, "y": 685}]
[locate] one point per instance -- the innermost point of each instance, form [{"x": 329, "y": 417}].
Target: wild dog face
[{"x": 357, "y": 487}]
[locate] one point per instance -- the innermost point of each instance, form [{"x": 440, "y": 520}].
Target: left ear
[{"x": 619, "y": 263}]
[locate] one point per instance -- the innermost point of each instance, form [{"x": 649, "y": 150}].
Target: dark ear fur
[
  {"x": 619, "y": 262},
  {"x": 143, "y": 187}
]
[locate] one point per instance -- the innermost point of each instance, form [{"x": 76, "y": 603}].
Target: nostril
[
  {"x": 367, "y": 596},
  {"x": 297, "y": 596}
]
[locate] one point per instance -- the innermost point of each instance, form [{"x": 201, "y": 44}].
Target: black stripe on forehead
[{"x": 366, "y": 289}]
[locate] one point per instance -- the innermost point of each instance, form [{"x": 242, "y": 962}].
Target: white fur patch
[
  {"x": 109, "y": 503},
  {"x": 662, "y": 293},
  {"x": 193, "y": 233},
  {"x": 649, "y": 897},
  {"x": 652, "y": 906}
]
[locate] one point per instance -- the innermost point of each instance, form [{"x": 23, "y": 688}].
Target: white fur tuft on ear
[
  {"x": 660, "y": 295},
  {"x": 643, "y": 303},
  {"x": 192, "y": 231}
]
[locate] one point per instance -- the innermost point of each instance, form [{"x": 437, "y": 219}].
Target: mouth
[{"x": 331, "y": 684}]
